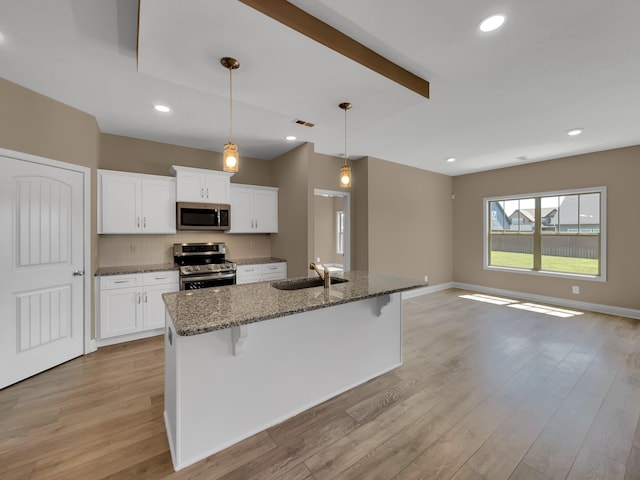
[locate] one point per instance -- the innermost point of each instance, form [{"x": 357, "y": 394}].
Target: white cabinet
[
  {"x": 262, "y": 272},
  {"x": 136, "y": 203},
  {"x": 254, "y": 209},
  {"x": 200, "y": 185},
  {"x": 131, "y": 306}
]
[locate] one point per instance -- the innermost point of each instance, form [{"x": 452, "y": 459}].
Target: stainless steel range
[{"x": 203, "y": 265}]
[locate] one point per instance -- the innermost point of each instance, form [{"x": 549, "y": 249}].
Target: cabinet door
[
  {"x": 120, "y": 312},
  {"x": 266, "y": 211},
  {"x": 248, "y": 274},
  {"x": 216, "y": 188},
  {"x": 154, "y": 307},
  {"x": 242, "y": 220},
  {"x": 119, "y": 203},
  {"x": 190, "y": 187},
  {"x": 158, "y": 205}
]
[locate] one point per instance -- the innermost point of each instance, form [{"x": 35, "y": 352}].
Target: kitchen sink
[{"x": 305, "y": 283}]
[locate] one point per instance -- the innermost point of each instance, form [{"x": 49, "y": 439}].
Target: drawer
[
  {"x": 248, "y": 269},
  {"x": 111, "y": 282},
  {"x": 269, "y": 268},
  {"x": 159, "y": 278}
]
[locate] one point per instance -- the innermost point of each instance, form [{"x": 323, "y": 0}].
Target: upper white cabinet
[
  {"x": 254, "y": 209},
  {"x": 136, "y": 203},
  {"x": 199, "y": 185}
]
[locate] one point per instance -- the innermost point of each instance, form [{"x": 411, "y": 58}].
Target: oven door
[{"x": 194, "y": 282}]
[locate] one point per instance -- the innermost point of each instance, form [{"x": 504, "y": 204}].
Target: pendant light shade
[
  {"x": 345, "y": 176},
  {"x": 345, "y": 170},
  {"x": 230, "y": 155}
]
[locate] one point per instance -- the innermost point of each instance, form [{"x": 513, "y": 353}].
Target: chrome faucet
[{"x": 323, "y": 274}]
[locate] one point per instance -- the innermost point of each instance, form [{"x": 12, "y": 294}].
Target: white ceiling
[{"x": 494, "y": 97}]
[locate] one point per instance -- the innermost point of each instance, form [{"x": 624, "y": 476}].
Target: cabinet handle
[
  {"x": 146, "y": 299},
  {"x": 144, "y": 222},
  {"x": 121, "y": 281},
  {"x": 202, "y": 193},
  {"x": 207, "y": 193},
  {"x": 139, "y": 299},
  {"x": 256, "y": 223},
  {"x": 160, "y": 278},
  {"x": 138, "y": 222}
]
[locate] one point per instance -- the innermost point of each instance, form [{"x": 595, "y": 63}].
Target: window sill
[{"x": 572, "y": 276}]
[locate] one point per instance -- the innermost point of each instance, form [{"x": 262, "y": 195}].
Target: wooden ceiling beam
[{"x": 308, "y": 25}]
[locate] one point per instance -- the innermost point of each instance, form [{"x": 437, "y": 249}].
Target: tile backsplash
[{"x": 119, "y": 250}]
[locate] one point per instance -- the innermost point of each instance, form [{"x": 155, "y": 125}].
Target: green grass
[{"x": 584, "y": 266}]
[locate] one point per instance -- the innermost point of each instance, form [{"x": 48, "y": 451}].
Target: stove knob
[
  {"x": 197, "y": 268},
  {"x": 187, "y": 269},
  {"x": 210, "y": 267}
]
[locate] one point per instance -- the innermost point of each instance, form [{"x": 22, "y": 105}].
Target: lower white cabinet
[
  {"x": 131, "y": 306},
  {"x": 262, "y": 272}
]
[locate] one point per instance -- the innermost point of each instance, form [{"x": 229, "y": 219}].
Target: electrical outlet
[
  {"x": 426, "y": 278},
  {"x": 575, "y": 290}
]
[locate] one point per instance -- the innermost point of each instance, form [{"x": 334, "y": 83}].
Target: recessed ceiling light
[
  {"x": 291, "y": 138},
  {"x": 162, "y": 108},
  {"x": 451, "y": 159},
  {"x": 492, "y": 23},
  {"x": 574, "y": 132}
]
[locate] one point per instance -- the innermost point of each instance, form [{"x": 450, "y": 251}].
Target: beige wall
[
  {"x": 143, "y": 156},
  {"x": 38, "y": 125},
  {"x": 410, "y": 222},
  {"x": 360, "y": 214},
  {"x": 119, "y": 250},
  {"x": 324, "y": 218},
  {"x": 618, "y": 170},
  {"x": 290, "y": 174}
]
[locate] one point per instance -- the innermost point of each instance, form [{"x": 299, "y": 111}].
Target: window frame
[
  {"x": 340, "y": 232},
  {"x": 486, "y": 221}
]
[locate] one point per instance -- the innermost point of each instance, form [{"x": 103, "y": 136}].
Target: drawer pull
[{"x": 121, "y": 281}]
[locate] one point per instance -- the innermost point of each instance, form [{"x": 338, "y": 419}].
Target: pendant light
[
  {"x": 345, "y": 171},
  {"x": 230, "y": 155}
]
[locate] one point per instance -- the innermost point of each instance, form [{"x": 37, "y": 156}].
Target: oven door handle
[{"x": 195, "y": 278}]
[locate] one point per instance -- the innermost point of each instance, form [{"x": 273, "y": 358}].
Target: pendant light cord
[
  {"x": 230, "y": 104},
  {"x": 345, "y": 136}
]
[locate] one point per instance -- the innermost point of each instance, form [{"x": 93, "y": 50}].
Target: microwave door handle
[{"x": 219, "y": 216}]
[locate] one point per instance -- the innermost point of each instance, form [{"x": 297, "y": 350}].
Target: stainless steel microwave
[{"x": 203, "y": 216}]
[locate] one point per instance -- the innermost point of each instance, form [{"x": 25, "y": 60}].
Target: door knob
[{"x": 78, "y": 273}]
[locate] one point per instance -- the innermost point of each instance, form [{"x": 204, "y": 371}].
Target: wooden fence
[{"x": 573, "y": 246}]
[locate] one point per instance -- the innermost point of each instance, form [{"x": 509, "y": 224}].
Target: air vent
[{"x": 303, "y": 123}]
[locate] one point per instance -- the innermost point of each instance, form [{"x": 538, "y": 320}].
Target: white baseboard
[
  {"x": 563, "y": 302},
  {"x": 128, "y": 338},
  {"x": 425, "y": 290}
]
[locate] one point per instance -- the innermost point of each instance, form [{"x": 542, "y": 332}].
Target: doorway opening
[{"x": 332, "y": 229}]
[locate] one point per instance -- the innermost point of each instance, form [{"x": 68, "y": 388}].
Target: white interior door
[{"x": 41, "y": 239}]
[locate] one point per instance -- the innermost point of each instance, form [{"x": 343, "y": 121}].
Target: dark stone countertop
[
  {"x": 256, "y": 261},
  {"x": 199, "y": 311},
  {"x": 131, "y": 269}
]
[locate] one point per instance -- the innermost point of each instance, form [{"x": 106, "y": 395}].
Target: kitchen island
[{"x": 242, "y": 358}]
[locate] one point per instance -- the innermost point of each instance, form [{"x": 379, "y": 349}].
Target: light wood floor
[{"x": 486, "y": 392}]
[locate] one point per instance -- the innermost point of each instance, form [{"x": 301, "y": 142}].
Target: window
[
  {"x": 340, "y": 232},
  {"x": 554, "y": 233}
]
